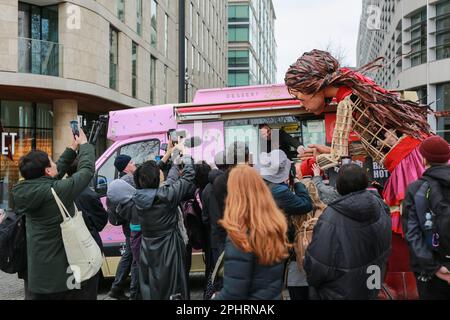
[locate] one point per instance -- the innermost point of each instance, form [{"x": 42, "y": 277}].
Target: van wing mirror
[{"x": 101, "y": 185}]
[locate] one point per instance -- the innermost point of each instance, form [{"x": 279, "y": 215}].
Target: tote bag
[{"x": 83, "y": 253}]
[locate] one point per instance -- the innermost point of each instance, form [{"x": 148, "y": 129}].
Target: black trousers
[
  {"x": 434, "y": 289},
  {"x": 299, "y": 293},
  {"x": 87, "y": 291}
]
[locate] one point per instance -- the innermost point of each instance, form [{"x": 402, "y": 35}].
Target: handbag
[{"x": 83, "y": 254}]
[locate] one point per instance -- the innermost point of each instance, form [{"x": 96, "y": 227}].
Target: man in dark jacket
[
  {"x": 48, "y": 268},
  {"x": 351, "y": 243},
  {"x": 280, "y": 139},
  {"x": 127, "y": 168},
  {"x": 95, "y": 217},
  {"x": 429, "y": 196},
  {"x": 275, "y": 168}
]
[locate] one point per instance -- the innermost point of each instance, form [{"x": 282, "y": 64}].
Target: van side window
[{"x": 142, "y": 151}]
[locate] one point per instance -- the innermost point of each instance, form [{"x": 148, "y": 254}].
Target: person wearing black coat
[
  {"x": 351, "y": 239},
  {"x": 429, "y": 194},
  {"x": 163, "y": 252}
]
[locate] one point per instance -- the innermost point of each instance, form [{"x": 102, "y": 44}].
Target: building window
[
  {"x": 39, "y": 49},
  {"x": 165, "y": 83},
  {"x": 113, "y": 57},
  {"x": 238, "y": 33},
  {"x": 191, "y": 15},
  {"x": 154, "y": 24},
  {"x": 166, "y": 35},
  {"x": 238, "y": 59},
  {"x": 238, "y": 78},
  {"x": 134, "y": 54},
  {"x": 238, "y": 13},
  {"x": 419, "y": 38},
  {"x": 121, "y": 10},
  {"x": 152, "y": 80},
  {"x": 443, "y": 104},
  {"x": 24, "y": 126},
  {"x": 443, "y": 30},
  {"x": 139, "y": 17}
]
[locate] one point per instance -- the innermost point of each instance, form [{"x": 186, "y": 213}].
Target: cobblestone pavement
[{"x": 11, "y": 288}]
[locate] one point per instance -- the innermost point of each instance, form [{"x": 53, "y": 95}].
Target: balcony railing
[{"x": 40, "y": 57}]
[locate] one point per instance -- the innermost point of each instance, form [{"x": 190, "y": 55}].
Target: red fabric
[
  {"x": 342, "y": 93},
  {"x": 399, "y": 152},
  {"x": 306, "y": 167}
]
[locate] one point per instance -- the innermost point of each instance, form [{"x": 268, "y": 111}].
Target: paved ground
[{"x": 11, "y": 288}]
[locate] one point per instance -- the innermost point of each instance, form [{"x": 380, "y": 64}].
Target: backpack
[
  {"x": 13, "y": 243},
  {"x": 114, "y": 214},
  {"x": 438, "y": 199},
  {"x": 304, "y": 224},
  {"x": 192, "y": 214}
]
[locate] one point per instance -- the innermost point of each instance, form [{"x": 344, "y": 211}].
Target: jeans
[{"x": 123, "y": 270}]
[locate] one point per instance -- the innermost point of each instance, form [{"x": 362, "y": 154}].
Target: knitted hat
[
  {"x": 435, "y": 150},
  {"x": 121, "y": 162}
]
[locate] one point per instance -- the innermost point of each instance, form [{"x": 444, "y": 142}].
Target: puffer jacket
[
  {"x": 246, "y": 279},
  {"x": 352, "y": 236}
]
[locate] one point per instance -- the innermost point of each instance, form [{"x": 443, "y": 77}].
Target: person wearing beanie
[
  {"x": 426, "y": 221},
  {"x": 126, "y": 168}
]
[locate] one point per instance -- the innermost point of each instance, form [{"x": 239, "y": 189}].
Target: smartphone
[{"x": 75, "y": 130}]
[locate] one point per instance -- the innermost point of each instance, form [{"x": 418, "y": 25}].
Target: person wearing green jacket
[{"x": 48, "y": 274}]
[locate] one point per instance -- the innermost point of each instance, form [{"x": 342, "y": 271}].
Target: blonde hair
[{"x": 252, "y": 219}]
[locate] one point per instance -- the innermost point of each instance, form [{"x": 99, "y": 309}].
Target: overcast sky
[{"x": 303, "y": 25}]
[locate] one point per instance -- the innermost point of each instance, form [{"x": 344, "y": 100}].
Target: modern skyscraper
[
  {"x": 414, "y": 37},
  {"x": 251, "y": 42}
]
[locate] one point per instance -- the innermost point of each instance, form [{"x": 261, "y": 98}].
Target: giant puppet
[{"x": 390, "y": 129}]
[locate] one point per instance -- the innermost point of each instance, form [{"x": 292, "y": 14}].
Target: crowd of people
[{"x": 248, "y": 219}]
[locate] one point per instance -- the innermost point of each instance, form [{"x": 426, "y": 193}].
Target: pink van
[{"x": 218, "y": 117}]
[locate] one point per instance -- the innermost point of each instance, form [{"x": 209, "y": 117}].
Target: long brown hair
[
  {"x": 252, "y": 219},
  {"x": 316, "y": 70}
]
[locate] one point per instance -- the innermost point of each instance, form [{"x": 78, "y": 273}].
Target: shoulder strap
[{"x": 65, "y": 214}]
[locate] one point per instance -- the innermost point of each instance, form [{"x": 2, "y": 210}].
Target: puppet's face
[{"x": 314, "y": 103}]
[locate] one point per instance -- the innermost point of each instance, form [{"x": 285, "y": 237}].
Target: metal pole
[{"x": 181, "y": 50}]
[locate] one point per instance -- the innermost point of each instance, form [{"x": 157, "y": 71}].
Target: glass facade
[
  {"x": 23, "y": 126},
  {"x": 419, "y": 38},
  {"x": 134, "y": 54},
  {"x": 153, "y": 24},
  {"x": 443, "y": 104},
  {"x": 443, "y": 30},
  {"x": 39, "y": 51},
  {"x": 152, "y": 80},
  {"x": 252, "y": 24},
  {"x": 121, "y": 10},
  {"x": 139, "y": 17},
  {"x": 113, "y": 57}
]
